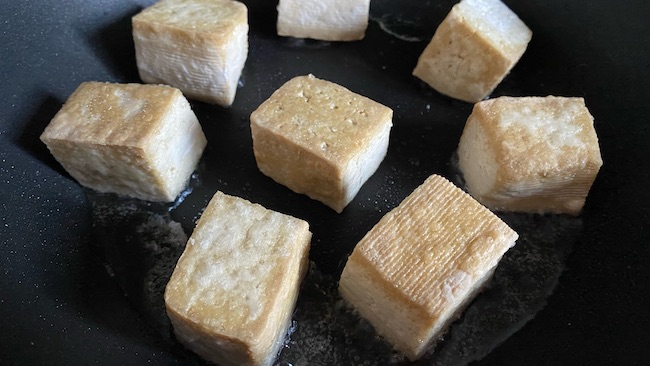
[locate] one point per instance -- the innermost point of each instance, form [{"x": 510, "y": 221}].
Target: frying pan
[{"x": 83, "y": 273}]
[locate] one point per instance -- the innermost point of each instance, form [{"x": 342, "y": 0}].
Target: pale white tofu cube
[{"x": 414, "y": 272}]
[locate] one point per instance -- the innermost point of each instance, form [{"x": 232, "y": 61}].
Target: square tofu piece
[
  {"x": 320, "y": 139},
  {"x": 327, "y": 20},
  {"x": 198, "y": 46},
  {"x": 140, "y": 141},
  {"x": 415, "y": 271},
  {"x": 530, "y": 154},
  {"x": 473, "y": 49},
  {"x": 234, "y": 288}
]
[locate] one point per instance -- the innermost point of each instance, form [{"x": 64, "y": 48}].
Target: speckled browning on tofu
[
  {"x": 111, "y": 114},
  {"x": 324, "y": 118},
  {"x": 542, "y": 152},
  {"x": 319, "y": 138}
]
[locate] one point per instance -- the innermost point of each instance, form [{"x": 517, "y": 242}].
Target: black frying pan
[{"x": 83, "y": 273}]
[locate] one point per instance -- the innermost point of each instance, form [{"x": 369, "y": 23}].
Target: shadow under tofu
[
  {"x": 113, "y": 46},
  {"x": 29, "y": 139},
  {"x": 103, "y": 299},
  {"x": 524, "y": 279}
]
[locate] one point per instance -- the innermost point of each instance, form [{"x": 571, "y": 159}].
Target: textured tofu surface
[
  {"x": 234, "y": 288},
  {"x": 329, "y": 20},
  {"x": 141, "y": 141},
  {"x": 531, "y": 154},
  {"x": 320, "y": 139},
  {"x": 473, "y": 49},
  {"x": 420, "y": 265},
  {"x": 198, "y": 46}
]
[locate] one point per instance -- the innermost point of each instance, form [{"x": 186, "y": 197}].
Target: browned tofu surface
[
  {"x": 233, "y": 291},
  {"x": 418, "y": 267},
  {"x": 320, "y": 139}
]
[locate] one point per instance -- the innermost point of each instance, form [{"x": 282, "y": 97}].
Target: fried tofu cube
[
  {"x": 140, "y": 141},
  {"x": 320, "y": 139},
  {"x": 328, "y": 20},
  {"x": 197, "y": 46},
  {"x": 530, "y": 154},
  {"x": 234, "y": 288},
  {"x": 473, "y": 49},
  {"x": 413, "y": 273}
]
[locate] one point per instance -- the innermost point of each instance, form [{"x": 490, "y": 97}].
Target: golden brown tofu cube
[
  {"x": 140, "y": 141},
  {"x": 416, "y": 270},
  {"x": 320, "y": 139}
]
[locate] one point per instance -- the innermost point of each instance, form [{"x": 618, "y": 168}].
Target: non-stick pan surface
[{"x": 82, "y": 273}]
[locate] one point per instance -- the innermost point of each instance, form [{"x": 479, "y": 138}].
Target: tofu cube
[
  {"x": 197, "y": 46},
  {"x": 531, "y": 154},
  {"x": 320, "y": 139},
  {"x": 413, "y": 273},
  {"x": 140, "y": 141},
  {"x": 473, "y": 49},
  {"x": 328, "y": 20},
  {"x": 234, "y": 288}
]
